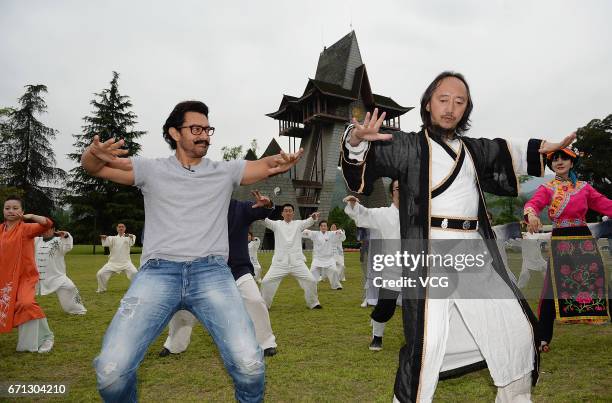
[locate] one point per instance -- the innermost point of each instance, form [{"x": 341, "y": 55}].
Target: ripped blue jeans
[{"x": 206, "y": 288}]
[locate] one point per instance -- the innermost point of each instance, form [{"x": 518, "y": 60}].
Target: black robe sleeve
[
  {"x": 382, "y": 159},
  {"x": 495, "y": 167}
]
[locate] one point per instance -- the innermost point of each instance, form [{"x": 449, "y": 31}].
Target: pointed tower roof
[
  {"x": 273, "y": 149},
  {"x": 337, "y": 63},
  {"x": 250, "y": 155}
]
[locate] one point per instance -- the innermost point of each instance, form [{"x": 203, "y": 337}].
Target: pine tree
[
  {"x": 27, "y": 160},
  {"x": 98, "y": 205}
]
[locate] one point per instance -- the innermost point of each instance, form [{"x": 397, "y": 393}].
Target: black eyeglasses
[{"x": 197, "y": 129}]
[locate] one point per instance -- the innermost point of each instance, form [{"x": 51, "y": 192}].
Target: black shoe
[
  {"x": 376, "y": 344},
  {"x": 317, "y": 307},
  {"x": 269, "y": 352},
  {"x": 164, "y": 352},
  {"x": 338, "y": 289}
]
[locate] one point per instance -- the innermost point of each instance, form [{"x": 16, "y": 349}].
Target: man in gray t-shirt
[{"x": 184, "y": 255}]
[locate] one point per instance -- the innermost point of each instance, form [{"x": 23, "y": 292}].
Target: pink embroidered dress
[
  {"x": 575, "y": 287},
  {"x": 568, "y": 203}
]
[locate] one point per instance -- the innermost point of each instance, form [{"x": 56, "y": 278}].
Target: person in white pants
[
  {"x": 383, "y": 222},
  {"x": 241, "y": 214},
  {"x": 339, "y": 251},
  {"x": 288, "y": 257},
  {"x": 50, "y": 250},
  {"x": 323, "y": 259},
  {"x": 254, "y": 244},
  {"x": 531, "y": 249},
  {"x": 119, "y": 259}
]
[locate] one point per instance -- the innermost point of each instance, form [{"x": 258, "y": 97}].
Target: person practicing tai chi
[
  {"x": 442, "y": 175},
  {"x": 254, "y": 244},
  {"x": 119, "y": 259},
  {"x": 383, "y": 221},
  {"x": 575, "y": 286},
  {"x": 531, "y": 251},
  {"x": 288, "y": 257},
  {"x": 339, "y": 251},
  {"x": 323, "y": 254},
  {"x": 18, "y": 278},
  {"x": 241, "y": 215},
  {"x": 51, "y": 249},
  {"x": 184, "y": 255}
]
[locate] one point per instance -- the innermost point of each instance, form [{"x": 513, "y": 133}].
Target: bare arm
[
  {"x": 38, "y": 219},
  {"x": 103, "y": 160},
  {"x": 256, "y": 171}
]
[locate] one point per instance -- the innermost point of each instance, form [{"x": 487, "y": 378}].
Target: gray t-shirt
[{"x": 185, "y": 210}]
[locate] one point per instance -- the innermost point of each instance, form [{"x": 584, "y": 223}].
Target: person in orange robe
[{"x": 18, "y": 278}]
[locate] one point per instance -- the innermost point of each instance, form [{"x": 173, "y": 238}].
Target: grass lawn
[{"x": 323, "y": 354}]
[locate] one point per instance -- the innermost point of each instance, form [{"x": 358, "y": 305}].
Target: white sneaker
[
  {"x": 364, "y": 304},
  {"x": 46, "y": 346}
]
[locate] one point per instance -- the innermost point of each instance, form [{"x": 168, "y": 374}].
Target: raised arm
[
  {"x": 307, "y": 223},
  {"x": 368, "y": 154},
  {"x": 105, "y": 241},
  {"x": 66, "y": 241},
  {"x": 38, "y": 225},
  {"x": 102, "y": 160},
  {"x": 261, "y": 208},
  {"x": 499, "y": 162},
  {"x": 598, "y": 202},
  {"x": 363, "y": 216},
  {"x": 256, "y": 171},
  {"x": 269, "y": 224}
]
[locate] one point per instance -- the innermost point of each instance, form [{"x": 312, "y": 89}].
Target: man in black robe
[{"x": 442, "y": 174}]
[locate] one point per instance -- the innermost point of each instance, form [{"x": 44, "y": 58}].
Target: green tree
[
  {"x": 232, "y": 153},
  {"x": 340, "y": 218},
  {"x": 27, "y": 158},
  {"x": 97, "y": 205},
  {"x": 506, "y": 209},
  {"x": 594, "y": 142},
  {"x": 236, "y": 152}
]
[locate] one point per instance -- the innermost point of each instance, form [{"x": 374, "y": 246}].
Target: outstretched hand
[
  {"x": 351, "y": 200},
  {"x": 108, "y": 151},
  {"x": 284, "y": 161},
  {"x": 315, "y": 216},
  {"x": 549, "y": 147},
  {"x": 368, "y": 131},
  {"x": 260, "y": 200}
]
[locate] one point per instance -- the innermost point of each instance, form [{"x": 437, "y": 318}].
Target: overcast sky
[{"x": 536, "y": 68}]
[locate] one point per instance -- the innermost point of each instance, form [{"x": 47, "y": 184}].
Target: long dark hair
[{"x": 464, "y": 124}]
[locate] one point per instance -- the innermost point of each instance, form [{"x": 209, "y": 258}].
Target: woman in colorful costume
[{"x": 575, "y": 286}]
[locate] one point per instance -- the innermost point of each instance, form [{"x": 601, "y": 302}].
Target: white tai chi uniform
[
  {"x": 118, "y": 261},
  {"x": 323, "y": 259},
  {"x": 383, "y": 223},
  {"x": 339, "y": 254},
  {"x": 181, "y": 324},
  {"x": 532, "y": 255},
  {"x": 52, "y": 273},
  {"x": 289, "y": 259},
  {"x": 253, "y": 248},
  {"x": 459, "y": 331}
]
